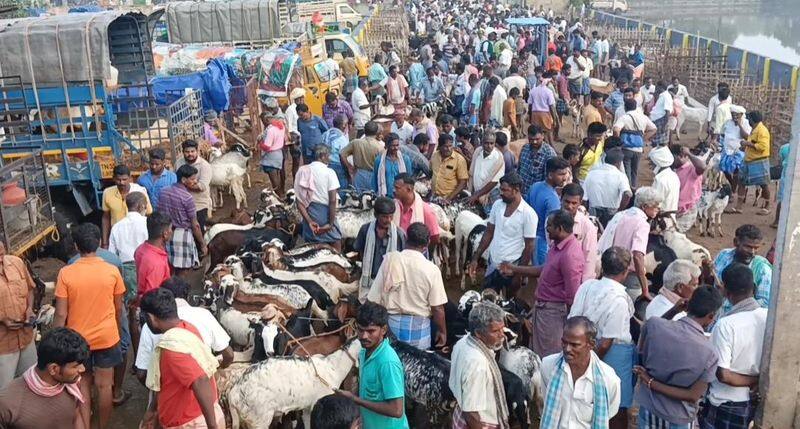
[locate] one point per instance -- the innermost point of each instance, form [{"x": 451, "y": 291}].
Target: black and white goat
[
  {"x": 427, "y": 377},
  {"x": 469, "y": 232},
  {"x": 710, "y": 208}
]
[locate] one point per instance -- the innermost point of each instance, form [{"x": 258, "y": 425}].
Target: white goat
[
  {"x": 696, "y": 115},
  {"x": 228, "y": 172},
  {"x": 685, "y": 248},
  {"x": 710, "y": 208},
  {"x": 280, "y": 385}
]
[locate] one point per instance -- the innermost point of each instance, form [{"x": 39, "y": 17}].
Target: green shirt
[{"x": 382, "y": 379}]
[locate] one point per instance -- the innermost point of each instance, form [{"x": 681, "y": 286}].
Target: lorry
[
  {"x": 616, "y": 6},
  {"x": 264, "y": 23}
]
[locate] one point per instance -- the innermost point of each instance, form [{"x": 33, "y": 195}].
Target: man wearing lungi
[
  {"x": 199, "y": 189},
  {"x": 559, "y": 279},
  {"x": 475, "y": 378},
  {"x": 733, "y": 133},
  {"x": 178, "y": 204},
  {"x": 411, "y": 288},
  {"x": 660, "y": 113},
  {"x": 606, "y": 303},
  {"x": 755, "y": 170},
  {"x": 315, "y": 187}
]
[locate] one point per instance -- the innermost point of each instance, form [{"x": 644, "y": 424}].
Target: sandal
[
  {"x": 125, "y": 396},
  {"x": 763, "y": 212},
  {"x": 733, "y": 210}
]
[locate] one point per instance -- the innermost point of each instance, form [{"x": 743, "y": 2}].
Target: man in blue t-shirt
[
  {"x": 544, "y": 199},
  {"x": 310, "y": 127},
  {"x": 381, "y": 380}
]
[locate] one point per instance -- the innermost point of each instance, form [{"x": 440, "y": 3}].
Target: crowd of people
[{"x": 575, "y": 221}]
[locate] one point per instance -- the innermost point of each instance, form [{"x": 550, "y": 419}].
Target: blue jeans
[
  {"x": 124, "y": 331},
  {"x": 541, "y": 251}
]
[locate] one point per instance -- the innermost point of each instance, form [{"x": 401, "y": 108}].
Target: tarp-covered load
[
  {"x": 216, "y": 82},
  {"x": 174, "y": 59},
  {"x": 76, "y": 47},
  {"x": 229, "y": 22},
  {"x": 279, "y": 70}
]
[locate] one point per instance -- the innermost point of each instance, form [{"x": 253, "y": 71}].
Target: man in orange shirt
[
  {"x": 89, "y": 300},
  {"x": 181, "y": 371},
  {"x": 553, "y": 62}
]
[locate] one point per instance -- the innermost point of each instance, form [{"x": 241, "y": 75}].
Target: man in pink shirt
[
  {"x": 559, "y": 279},
  {"x": 689, "y": 169},
  {"x": 411, "y": 208},
  {"x": 584, "y": 230},
  {"x": 630, "y": 230},
  {"x": 152, "y": 263}
]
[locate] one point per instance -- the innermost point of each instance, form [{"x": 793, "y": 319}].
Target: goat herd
[{"x": 289, "y": 311}]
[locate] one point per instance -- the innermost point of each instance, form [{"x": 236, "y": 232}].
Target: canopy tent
[
  {"x": 539, "y": 32},
  {"x": 77, "y": 47},
  {"x": 217, "y": 22}
]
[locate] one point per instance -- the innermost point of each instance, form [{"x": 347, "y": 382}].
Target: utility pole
[{"x": 779, "y": 386}]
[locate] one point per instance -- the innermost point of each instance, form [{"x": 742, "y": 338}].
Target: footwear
[
  {"x": 119, "y": 401},
  {"x": 763, "y": 212}
]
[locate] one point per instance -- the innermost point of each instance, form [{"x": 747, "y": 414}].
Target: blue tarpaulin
[
  {"x": 89, "y": 8},
  {"x": 215, "y": 82}
]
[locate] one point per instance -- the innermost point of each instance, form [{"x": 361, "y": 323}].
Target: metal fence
[
  {"x": 26, "y": 212},
  {"x": 146, "y": 125}
]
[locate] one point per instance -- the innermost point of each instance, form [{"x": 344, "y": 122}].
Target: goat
[
  {"x": 468, "y": 226},
  {"x": 323, "y": 259},
  {"x": 298, "y": 326},
  {"x": 426, "y": 380},
  {"x": 710, "y": 208},
  {"x": 696, "y": 115},
  {"x": 576, "y": 111},
  {"x": 685, "y": 248},
  {"x": 226, "y": 243},
  {"x": 350, "y": 221},
  {"x": 516, "y": 398},
  {"x": 658, "y": 257},
  {"x": 260, "y": 219},
  {"x": 257, "y": 294},
  {"x": 279, "y": 385},
  {"x": 228, "y": 171},
  {"x": 526, "y": 365}
]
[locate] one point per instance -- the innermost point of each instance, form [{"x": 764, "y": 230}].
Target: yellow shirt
[
  {"x": 115, "y": 204},
  {"x": 760, "y": 137},
  {"x": 591, "y": 158},
  {"x": 447, "y": 172}
]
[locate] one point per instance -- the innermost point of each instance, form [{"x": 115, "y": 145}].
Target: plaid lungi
[
  {"x": 648, "y": 420},
  {"x": 182, "y": 250},
  {"x": 755, "y": 173},
  {"x": 413, "y": 330},
  {"x": 459, "y": 422},
  {"x": 662, "y": 132},
  {"x": 729, "y": 415}
]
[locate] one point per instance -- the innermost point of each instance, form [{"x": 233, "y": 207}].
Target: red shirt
[
  {"x": 152, "y": 268},
  {"x": 177, "y": 404}
]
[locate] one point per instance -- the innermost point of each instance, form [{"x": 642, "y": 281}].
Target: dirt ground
[{"x": 129, "y": 414}]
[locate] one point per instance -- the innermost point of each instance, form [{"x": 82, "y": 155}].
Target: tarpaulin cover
[
  {"x": 279, "y": 70},
  {"x": 214, "y": 81},
  {"x": 31, "y": 46},
  {"x": 216, "y": 21}
]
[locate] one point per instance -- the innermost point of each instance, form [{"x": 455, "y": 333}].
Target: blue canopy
[
  {"x": 539, "y": 32},
  {"x": 528, "y": 21}
]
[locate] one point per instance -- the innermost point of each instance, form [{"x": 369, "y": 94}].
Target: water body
[{"x": 771, "y": 30}]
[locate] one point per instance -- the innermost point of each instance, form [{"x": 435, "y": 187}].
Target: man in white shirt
[
  {"x": 723, "y": 96},
  {"x": 401, "y": 127},
  {"x": 647, "y": 91},
  {"x": 316, "y": 188},
  {"x": 737, "y": 339},
  {"x": 634, "y": 129},
  {"x": 411, "y": 288},
  {"x": 666, "y": 181},
  {"x": 571, "y": 378},
  {"x": 504, "y": 62},
  {"x": 292, "y": 146},
  {"x": 577, "y": 65},
  {"x": 734, "y": 131},
  {"x": 514, "y": 80},
  {"x": 586, "y": 89},
  {"x": 361, "y": 106},
  {"x": 660, "y": 114},
  {"x": 680, "y": 280},
  {"x": 606, "y": 187},
  {"x": 210, "y": 330},
  {"x": 475, "y": 378},
  {"x": 509, "y": 235},
  {"x": 606, "y": 303},
  {"x": 681, "y": 93},
  {"x": 486, "y": 169}
]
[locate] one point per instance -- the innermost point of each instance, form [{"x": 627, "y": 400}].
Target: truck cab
[{"x": 340, "y": 46}]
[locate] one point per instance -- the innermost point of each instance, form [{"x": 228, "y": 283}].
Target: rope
[
  {"x": 91, "y": 84},
  {"x": 313, "y": 365},
  {"x": 33, "y": 83},
  {"x": 64, "y": 86}
]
